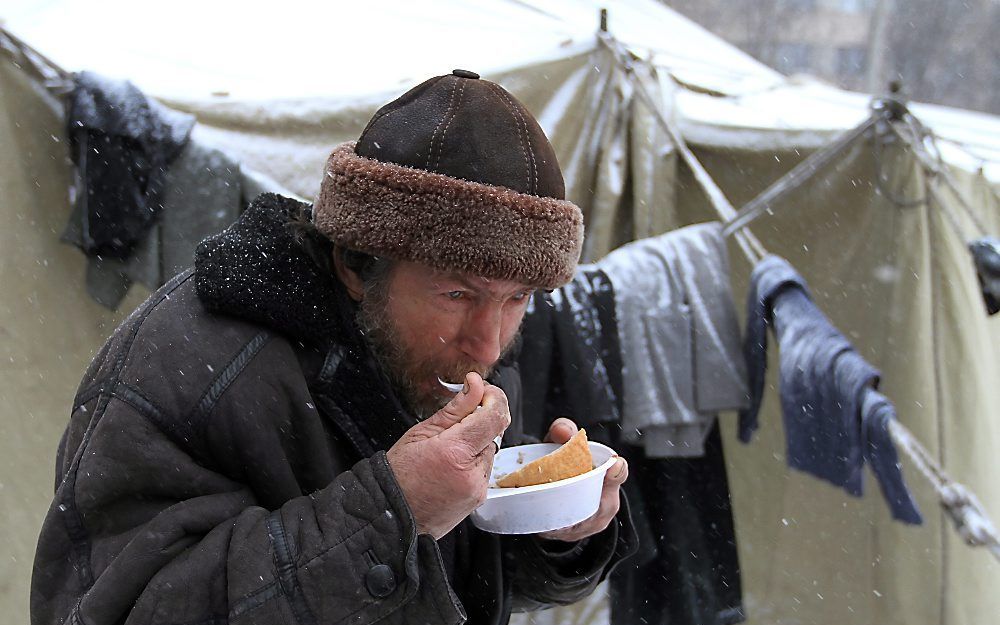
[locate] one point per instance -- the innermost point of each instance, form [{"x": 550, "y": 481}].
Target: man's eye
[
  {"x": 454, "y": 294},
  {"x": 520, "y": 297}
]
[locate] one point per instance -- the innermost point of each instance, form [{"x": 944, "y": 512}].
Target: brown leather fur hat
[{"x": 455, "y": 174}]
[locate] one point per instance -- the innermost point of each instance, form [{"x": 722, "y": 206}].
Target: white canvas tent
[{"x": 277, "y": 87}]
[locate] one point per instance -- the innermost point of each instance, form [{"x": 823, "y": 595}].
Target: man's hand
[
  {"x": 443, "y": 463},
  {"x": 560, "y": 431}
]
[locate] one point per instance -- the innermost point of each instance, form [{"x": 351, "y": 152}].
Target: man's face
[{"x": 426, "y": 324}]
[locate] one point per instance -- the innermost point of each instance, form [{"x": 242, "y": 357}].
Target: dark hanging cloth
[
  {"x": 880, "y": 453},
  {"x": 687, "y": 569},
  {"x": 121, "y": 143},
  {"x": 203, "y": 194},
  {"x": 822, "y": 380},
  {"x": 570, "y": 356},
  {"x": 986, "y": 255}
]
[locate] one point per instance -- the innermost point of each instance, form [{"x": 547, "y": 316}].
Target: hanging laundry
[
  {"x": 823, "y": 382},
  {"x": 880, "y": 453},
  {"x": 986, "y": 255},
  {"x": 570, "y": 347},
  {"x": 203, "y": 193},
  {"x": 570, "y": 361},
  {"x": 679, "y": 336},
  {"x": 121, "y": 143},
  {"x": 687, "y": 570}
]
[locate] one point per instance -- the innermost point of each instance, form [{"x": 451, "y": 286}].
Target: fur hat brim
[{"x": 447, "y": 223}]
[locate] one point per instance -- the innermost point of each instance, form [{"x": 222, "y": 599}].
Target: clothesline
[
  {"x": 54, "y": 78},
  {"x": 796, "y": 177},
  {"x": 958, "y": 502}
]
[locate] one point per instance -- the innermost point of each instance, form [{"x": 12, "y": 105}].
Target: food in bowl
[{"x": 571, "y": 459}]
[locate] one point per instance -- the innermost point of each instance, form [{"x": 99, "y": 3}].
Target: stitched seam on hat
[
  {"x": 533, "y": 186},
  {"x": 451, "y": 102},
  {"x": 444, "y": 132},
  {"x": 514, "y": 114}
]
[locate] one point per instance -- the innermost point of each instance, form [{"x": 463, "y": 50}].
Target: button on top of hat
[{"x": 464, "y": 73}]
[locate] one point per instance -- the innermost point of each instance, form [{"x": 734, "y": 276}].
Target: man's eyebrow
[{"x": 464, "y": 281}]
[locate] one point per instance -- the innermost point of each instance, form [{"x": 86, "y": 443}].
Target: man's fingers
[
  {"x": 462, "y": 404},
  {"x": 616, "y": 475},
  {"x": 561, "y": 430},
  {"x": 606, "y": 511},
  {"x": 479, "y": 428}
]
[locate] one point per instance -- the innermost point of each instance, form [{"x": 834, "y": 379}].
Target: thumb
[{"x": 462, "y": 404}]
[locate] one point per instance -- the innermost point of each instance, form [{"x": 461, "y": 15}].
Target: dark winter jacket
[{"x": 225, "y": 462}]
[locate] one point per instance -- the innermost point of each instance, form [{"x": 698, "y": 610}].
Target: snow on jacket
[{"x": 225, "y": 463}]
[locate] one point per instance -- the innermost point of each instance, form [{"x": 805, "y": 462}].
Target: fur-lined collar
[{"x": 256, "y": 270}]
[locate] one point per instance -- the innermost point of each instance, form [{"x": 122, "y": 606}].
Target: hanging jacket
[
  {"x": 687, "y": 570},
  {"x": 986, "y": 256},
  {"x": 679, "y": 336}
]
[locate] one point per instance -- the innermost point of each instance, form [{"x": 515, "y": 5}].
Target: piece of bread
[{"x": 570, "y": 460}]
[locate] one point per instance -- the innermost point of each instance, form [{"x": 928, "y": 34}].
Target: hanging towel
[
  {"x": 986, "y": 255},
  {"x": 679, "y": 338},
  {"x": 823, "y": 382}
]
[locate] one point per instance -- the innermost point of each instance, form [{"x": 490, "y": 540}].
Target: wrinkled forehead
[{"x": 452, "y": 280}]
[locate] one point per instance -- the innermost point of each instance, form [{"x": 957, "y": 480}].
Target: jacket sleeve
[
  {"x": 546, "y": 573},
  {"x": 142, "y": 532}
]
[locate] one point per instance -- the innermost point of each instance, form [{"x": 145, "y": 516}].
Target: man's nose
[{"x": 481, "y": 335}]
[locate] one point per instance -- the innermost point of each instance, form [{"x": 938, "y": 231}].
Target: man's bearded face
[{"x": 423, "y": 324}]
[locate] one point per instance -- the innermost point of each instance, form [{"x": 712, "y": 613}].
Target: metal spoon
[{"x": 457, "y": 388}]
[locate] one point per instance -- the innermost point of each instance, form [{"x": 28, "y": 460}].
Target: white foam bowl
[{"x": 545, "y": 507}]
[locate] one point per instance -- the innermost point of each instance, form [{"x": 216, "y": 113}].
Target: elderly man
[{"x": 265, "y": 439}]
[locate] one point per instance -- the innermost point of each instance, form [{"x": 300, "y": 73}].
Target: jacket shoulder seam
[{"x": 229, "y": 373}]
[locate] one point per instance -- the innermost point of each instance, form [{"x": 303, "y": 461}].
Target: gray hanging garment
[{"x": 679, "y": 337}]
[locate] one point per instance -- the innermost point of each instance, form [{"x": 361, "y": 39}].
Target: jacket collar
[{"x": 256, "y": 270}]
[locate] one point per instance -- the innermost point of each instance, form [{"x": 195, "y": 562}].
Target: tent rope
[
  {"x": 797, "y": 176},
  {"x": 881, "y": 181},
  {"x": 752, "y": 248},
  {"x": 55, "y": 79},
  {"x": 959, "y": 503},
  {"x": 922, "y": 140}
]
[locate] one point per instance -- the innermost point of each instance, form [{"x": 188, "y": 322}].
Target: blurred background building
[{"x": 944, "y": 52}]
